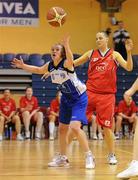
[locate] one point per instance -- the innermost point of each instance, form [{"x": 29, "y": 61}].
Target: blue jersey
[{"x": 70, "y": 86}]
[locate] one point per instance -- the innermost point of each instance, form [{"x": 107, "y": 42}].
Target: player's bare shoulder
[
  {"x": 89, "y": 53},
  {"x": 115, "y": 54}
]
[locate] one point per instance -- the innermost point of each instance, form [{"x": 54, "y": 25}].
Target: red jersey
[
  {"x": 54, "y": 105},
  {"x": 33, "y": 102},
  {"x": 7, "y": 107},
  {"x": 127, "y": 110},
  {"x": 102, "y": 73}
]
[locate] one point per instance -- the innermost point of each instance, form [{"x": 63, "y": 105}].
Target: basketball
[{"x": 56, "y": 16}]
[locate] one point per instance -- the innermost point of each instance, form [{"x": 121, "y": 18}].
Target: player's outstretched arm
[
  {"x": 83, "y": 59},
  {"x": 133, "y": 89},
  {"x": 128, "y": 65},
  {"x": 69, "y": 55},
  {"x": 33, "y": 69}
]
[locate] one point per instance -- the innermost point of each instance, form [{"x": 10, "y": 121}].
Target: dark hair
[
  {"x": 108, "y": 31},
  {"x": 104, "y": 32},
  {"x": 28, "y": 88}
]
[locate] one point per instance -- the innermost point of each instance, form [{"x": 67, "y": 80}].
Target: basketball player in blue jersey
[{"x": 73, "y": 101}]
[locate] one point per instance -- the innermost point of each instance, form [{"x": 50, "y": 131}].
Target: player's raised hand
[
  {"x": 129, "y": 45},
  {"x": 17, "y": 63},
  {"x": 65, "y": 40}
]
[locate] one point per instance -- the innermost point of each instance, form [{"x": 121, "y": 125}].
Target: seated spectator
[
  {"x": 30, "y": 113},
  {"x": 9, "y": 114},
  {"x": 54, "y": 114},
  {"x": 126, "y": 112}
]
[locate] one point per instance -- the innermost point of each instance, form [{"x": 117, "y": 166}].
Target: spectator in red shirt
[
  {"x": 8, "y": 113},
  {"x": 30, "y": 112},
  {"x": 54, "y": 114},
  {"x": 126, "y": 111}
]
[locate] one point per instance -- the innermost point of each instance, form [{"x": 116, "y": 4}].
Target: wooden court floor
[{"x": 28, "y": 161}]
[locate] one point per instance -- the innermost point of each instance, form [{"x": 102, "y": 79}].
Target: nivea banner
[{"x": 19, "y": 13}]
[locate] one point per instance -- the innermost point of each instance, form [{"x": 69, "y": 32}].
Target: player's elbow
[
  {"x": 40, "y": 71},
  {"x": 75, "y": 63},
  {"x": 129, "y": 68}
]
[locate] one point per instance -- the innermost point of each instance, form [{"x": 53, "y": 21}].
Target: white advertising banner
[{"x": 19, "y": 13}]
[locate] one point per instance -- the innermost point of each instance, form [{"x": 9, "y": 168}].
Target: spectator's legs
[
  {"x": 100, "y": 134},
  {"x": 118, "y": 125},
  {"x": 26, "y": 121},
  {"x": 38, "y": 117},
  {"x": 1, "y": 126},
  {"x": 17, "y": 121},
  {"x": 113, "y": 125},
  {"x": 94, "y": 128},
  {"x": 52, "y": 120},
  {"x": 134, "y": 121}
]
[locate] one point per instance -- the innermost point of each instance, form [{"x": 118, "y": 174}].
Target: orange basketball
[{"x": 56, "y": 16}]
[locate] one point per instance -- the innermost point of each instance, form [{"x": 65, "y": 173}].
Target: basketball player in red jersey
[
  {"x": 101, "y": 84},
  {"x": 30, "y": 112}
]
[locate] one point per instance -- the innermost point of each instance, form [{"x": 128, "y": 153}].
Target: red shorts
[{"x": 103, "y": 105}]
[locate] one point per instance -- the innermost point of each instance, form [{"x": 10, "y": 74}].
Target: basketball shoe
[
  {"x": 90, "y": 161},
  {"x": 131, "y": 171},
  {"x": 19, "y": 137},
  {"x": 59, "y": 161},
  {"x": 112, "y": 159}
]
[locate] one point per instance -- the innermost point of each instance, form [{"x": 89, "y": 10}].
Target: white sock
[
  {"x": 88, "y": 152},
  {"x": 51, "y": 127}
]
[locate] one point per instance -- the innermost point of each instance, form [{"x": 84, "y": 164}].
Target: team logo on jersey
[
  {"x": 58, "y": 75},
  {"x": 64, "y": 88},
  {"x": 107, "y": 123},
  {"x": 102, "y": 66},
  {"x": 95, "y": 59},
  {"x": 7, "y": 108}
]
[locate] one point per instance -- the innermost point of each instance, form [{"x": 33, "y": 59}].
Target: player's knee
[
  {"x": 62, "y": 129},
  {"x": 52, "y": 118},
  {"x": 136, "y": 118},
  {"x": 16, "y": 117},
  {"x": 25, "y": 114},
  {"x": 75, "y": 128},
  {"x": 40, "y": 115},
  {"x": 119, "y": 118},
  {"x": 17, "y": 120}
]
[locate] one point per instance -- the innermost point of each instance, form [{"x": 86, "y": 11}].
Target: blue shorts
[{"x": 74, "y": 111}]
